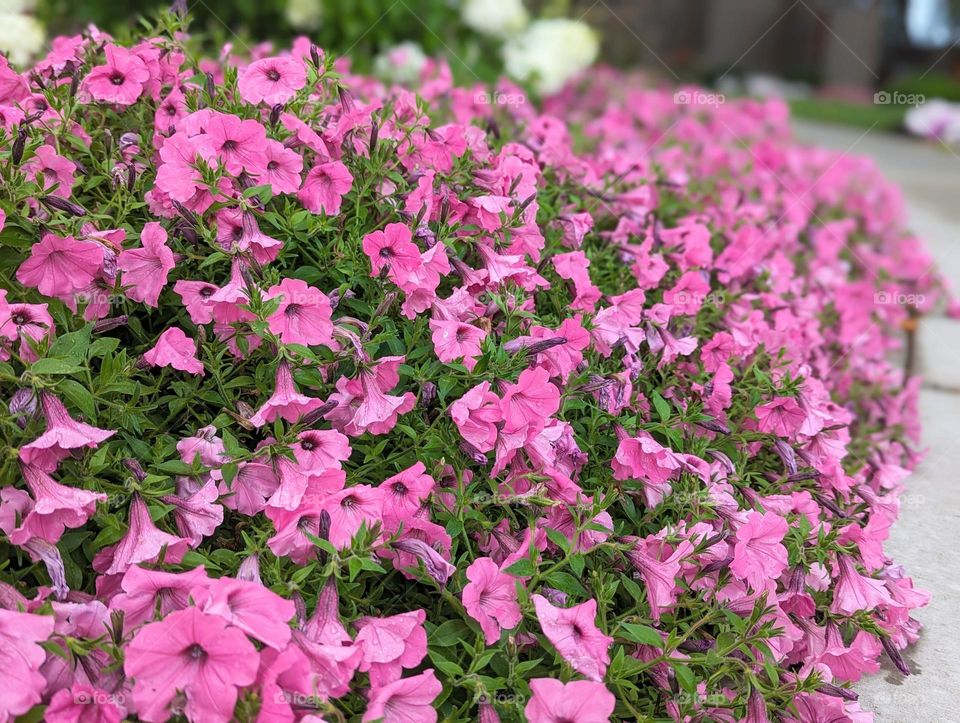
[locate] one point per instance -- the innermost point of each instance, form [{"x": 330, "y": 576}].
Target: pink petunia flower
[
  {"x": 530, "y": 402},
  {"x": 143, "y": 542},
  {"x": 121, "y": 80},
  {"x": 659, "y": 567},
  {"x": 583, "y": 701},
  {"x": 256, "y": 610},
  {"x": 63, "y": 434},
  {"x": 782, "y": 416},
  {"x": 759, "y": 555},
  {"x": 854, "y": 592},
  {"x": 644, "y": 459},
  {"x": 476, "y": 415},
  {"x": 574, "y": 633},
  {"x": 391, "y": 645},
  {"x": 237, "y": 144},
  {"x": 195, "y": 513},
  {"x": 318, "y": 450},
  {"x": 194, "y": 653},
  {"x": 272, "y": 80},
  {"x": 406, "y": 700},
  {"x": 196, "y": 298},
  {"x": 285, "y": 402},
  {"x": 21, "y": 657},
  {"x": 349, "y": 509},
  {"x": 205, "y": 445},
  {"x": 83, "y": 703},
  {"x": 51, "y": 171},
  {"x": 324, "y": 188},
  {"x": 282, "y": 168},
  {"x": 392, "y": 248},
  {"x": 59, "y": 266},
  {"x": 454, "y": 340},
  {"x": 145, "y": 269},
  {"x": 55, "y": 507},
  {"x": 175, "y": 349},
  {"x": 303, "y": 316},
  {"x": 490, "y": 598},
  {"x": 146, "y": 593}
]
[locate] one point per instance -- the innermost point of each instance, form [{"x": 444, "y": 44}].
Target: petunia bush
[{"x": 328, "y": 400}]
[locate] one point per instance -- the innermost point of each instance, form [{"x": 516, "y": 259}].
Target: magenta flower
[
  {"x": 574, "y": 633},
  {"x": 303, "y": 316},
  {"x": 324, "y": 188},
  {"x": 63, "y": 434},
  {"x": 175, "y": 349},
  {"x": 59, "y": 266},
  {"x": 644, "y": 459},
  {"x": 406, "y": 700},
  {"x": 193, "y": 653},
  {"x": 21, "y": 658},
  {"x": 237, "y": 144},
  {"x": 285, "y": 402},
  {"x": 249, "y": 606},
  {"x": 121, "y": 80},
  {"x": 145, "y": 269},
  {"x": 143, "y": 542},
  {"x": 272, "y": 80},
  {"x": 55, "y": 507},
  {"x": 758, "y": 555},
  {"x": 349, "y": 508},
  {"x": 491, "y": 598},
  {"x": 659, "y": 568},
  {"x": 583, "y": 701},
  {"x": 391, "y": 645}
]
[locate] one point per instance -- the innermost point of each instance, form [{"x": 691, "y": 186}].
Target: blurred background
[{"x": 859, "y": 62}]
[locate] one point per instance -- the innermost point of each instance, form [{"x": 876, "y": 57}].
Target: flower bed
[{"x": 328, "y": 401}]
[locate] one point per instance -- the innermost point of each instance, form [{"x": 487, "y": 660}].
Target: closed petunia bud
[{"x": 23, "y": 405}]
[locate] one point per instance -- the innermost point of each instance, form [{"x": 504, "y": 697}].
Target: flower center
[
  {"x": 195, "y": 652},
  {"x": 117, "y": 78},
  {"x": 273, "y": 74}
]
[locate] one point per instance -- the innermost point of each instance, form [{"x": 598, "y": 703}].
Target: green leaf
[
  {"x": 80, "y": 396},
  {"x": 641, "y": 634},
  {"x": 51, "y": 367},
  {"x": 663, "y": 408}
]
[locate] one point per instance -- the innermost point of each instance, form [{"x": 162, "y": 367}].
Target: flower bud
[
  {"x": 891, "y": 650},
  {"x": 16, "y": 154},
  {"x": 23, "y": 405},
  {"x": 249, "y": 569},
  {"x": 433, "y": 562},
  {"x": 275, "y": 114},
  {"x": 837, "y": 692},
  {"x": 428, "y": 395},
  {"x": 135, "y": 468},
  {"x": 374, "y": 135},
  {"x": 62, "y": 204}
]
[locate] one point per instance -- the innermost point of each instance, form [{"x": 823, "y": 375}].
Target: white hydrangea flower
[
  {"x": 550, "y": 52},
  {"x": 304, "y": 14},
  {"x": 402, "y": 63},
  {"x": 499, "y": 18},
  {"x": 21, "y": 36}
]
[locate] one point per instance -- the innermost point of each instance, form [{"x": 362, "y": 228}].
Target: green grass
[{"x": 863, "y": 115}]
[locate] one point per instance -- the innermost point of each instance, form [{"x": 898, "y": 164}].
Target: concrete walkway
[{"x": 926, "y": 538}]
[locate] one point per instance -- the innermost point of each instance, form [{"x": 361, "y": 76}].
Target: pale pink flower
[
  {"x": 303, "y": 316},
  {"x": 55, "y": 507},
  {"x": 490, "y": 598},
  {"x": 196, "y": 298},
  {"x": 409, "y": 700},
  {"x": 197, "y": 514},
  {"x": 574, "y": 633},
  {"x": 206, "y": 445},
  {"x": 583, "y": 701},
  {"x": 282, "y": 168},
  {"x": 454, "y": 340},
  {"x": 644, "y": 459},
  {"x": 147, "y": 593},
  {"x": 782, "y": 416},
  {"x": 143, "y": 542},
  {"x": 63, "y": 434},
  {"x": 272, "y": 80},
  {"x": 854, "y": 592},
  {"x": 321, "y": 449},
  {"x": 759, "y": 555},
  {"x": 256, "y": 610},
  {"x": 476, "y": 415},
  {"x": 235, "y": 143},
  {"x": 285, "y": 402},
  {"x": 194, "y": 653},
  {"x": 324, "y": 188},
  {"x": 51, "y": 171},
  {"x": 392, "y": 248},
  {"x": 59, "y": 266},
  {"x": 349, "y": 508},
  {"x": 21, "y": 657},
  {"x": 121, "y": 80},
  {"x": 83, "y": 703},
  {"x": 530, "y": 402},
  {"x": 145, "y": 269},
  {"x": 391, "y": 644},
  {"x": 175, "y": 349}
]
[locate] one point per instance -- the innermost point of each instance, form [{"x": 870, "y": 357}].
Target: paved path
[{"x": 926, "y": 538}]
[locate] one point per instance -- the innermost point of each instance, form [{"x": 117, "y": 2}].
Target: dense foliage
[{"x": 332, "y": 400}]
